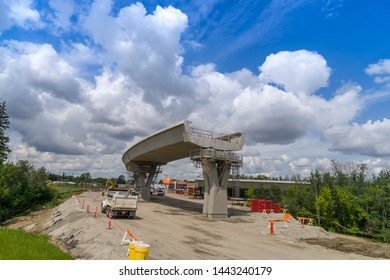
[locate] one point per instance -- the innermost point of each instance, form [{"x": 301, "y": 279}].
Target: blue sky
[{"x": 308, "y": 81}]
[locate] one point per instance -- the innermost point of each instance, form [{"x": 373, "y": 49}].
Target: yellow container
[
  {"x": 132, "y": 251},
  {"x": 141, "y": 251}
]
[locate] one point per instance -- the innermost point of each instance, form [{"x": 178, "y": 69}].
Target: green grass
[
  {"x": 21, "y": 245},
  {"x": 62, "y": 188}
]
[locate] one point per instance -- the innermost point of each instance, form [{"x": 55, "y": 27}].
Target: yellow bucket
[
  {"x": 132, "y": 251},
  {"x": 141, "y": 251}
]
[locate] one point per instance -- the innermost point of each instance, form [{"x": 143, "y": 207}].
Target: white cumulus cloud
[
  {"x": 369, "y": 139},
  {"x": 380, "y": 70},
  {"x": 298, "y": 71}
]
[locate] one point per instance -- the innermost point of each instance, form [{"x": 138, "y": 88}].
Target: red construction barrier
[{"x": 262, "y": 205}]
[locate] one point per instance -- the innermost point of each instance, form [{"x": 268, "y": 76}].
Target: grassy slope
[{"x": 21, "y": 245}]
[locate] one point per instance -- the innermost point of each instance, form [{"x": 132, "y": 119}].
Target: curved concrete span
[{"x": 181, "y": 140}]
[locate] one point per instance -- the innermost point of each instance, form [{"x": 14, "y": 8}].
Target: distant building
[{"x": 63, "y": 183}]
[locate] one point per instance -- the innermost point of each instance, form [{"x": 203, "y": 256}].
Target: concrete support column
[
  {"x": 143, "y": 189},
  {"x": 145, "y": 186},
  {"x": 216, "y": 177}
]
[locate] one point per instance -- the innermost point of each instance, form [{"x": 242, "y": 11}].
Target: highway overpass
[{"x": 216, "y": 155}]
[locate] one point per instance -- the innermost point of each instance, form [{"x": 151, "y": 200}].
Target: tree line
[
  {"x": 344, "y": 199},
  {"x": 21, "y": 185}
]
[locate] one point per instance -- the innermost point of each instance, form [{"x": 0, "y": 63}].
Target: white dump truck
[{"x": 119, "y": 203}]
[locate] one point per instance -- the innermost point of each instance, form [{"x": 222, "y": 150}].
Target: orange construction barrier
[
  {"x": 272, "y": 227},
  {"x": 302, "y": 221},
  {"x": 109, "y": 222},
  {"x": 132, "y": 235}
]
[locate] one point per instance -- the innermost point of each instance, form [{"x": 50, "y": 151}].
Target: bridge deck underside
[{"x": 166, "y": 154}]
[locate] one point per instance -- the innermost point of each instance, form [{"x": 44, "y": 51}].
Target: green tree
[
  {"x": 347, "y": 209},
  {"x": 250, "y": 192},
  {"x": 300, "y": 200},
  {"x": 21, "y": 188},
  {"x": 85, "y": 178},
  {"x": 275, "y": 193},
  {"x": 290, "y": 200},
  {"x": 377, "y": 205},
  {"x": 326, "y": 208},
  {"x": 262, "y": 192},
  {"x": 4, "y": 140}
]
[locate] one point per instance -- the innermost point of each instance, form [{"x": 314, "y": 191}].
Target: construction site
[{"x": 175, "y": 229}]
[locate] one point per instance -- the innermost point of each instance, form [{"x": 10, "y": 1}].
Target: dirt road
[{"x": 175, "y": 229}]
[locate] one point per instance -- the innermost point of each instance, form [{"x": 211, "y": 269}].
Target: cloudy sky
[{"x": 308, "y": 81}]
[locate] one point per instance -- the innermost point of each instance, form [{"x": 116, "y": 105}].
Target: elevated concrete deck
[{"x": 177, "y": 142}]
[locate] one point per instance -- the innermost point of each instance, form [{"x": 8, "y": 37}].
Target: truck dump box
[{"x": 120, "y": 205}]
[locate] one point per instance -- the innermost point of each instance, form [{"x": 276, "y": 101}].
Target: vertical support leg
[
  {"x": 149, "y": 181},
  {"x": 144, "y": 193},
  {"x": 216, "y": 182},
  {"x": 145, "y": 182}
]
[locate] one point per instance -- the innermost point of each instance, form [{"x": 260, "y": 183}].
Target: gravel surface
[{"x": 175, "y": 229}]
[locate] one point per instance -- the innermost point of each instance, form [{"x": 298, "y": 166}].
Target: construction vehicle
[
  {"x": 109, "y": 185},
  {"x": 119, "y": 203}
]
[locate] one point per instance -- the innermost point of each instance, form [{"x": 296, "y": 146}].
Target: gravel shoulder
[{"x": 175, "y": 229}]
